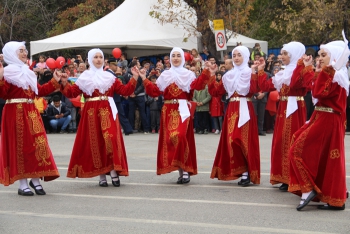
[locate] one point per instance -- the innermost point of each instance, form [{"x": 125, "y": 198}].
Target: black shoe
[
  {"x": 25, "y": 193},
  {"x": 37, "y": 191},
  {"x": 311, "y": 196},
  {"x": 244, "y": 182},
  {"x": 63, "y": 131},
  {"x": 128, "y": 133},
  {"x": 186, "y": 180},
  {"x": 262, "y": 134},
  {"x": 200, "y": 132},
  {"x": 329, "y": 207},
  {"x": 179, "y": 180},
  {"x": 284, "y": 188},
  {"x": 103, "y": 183},
  {"x": 117, "y": 182},
  {"x": 205, "y": 131}
]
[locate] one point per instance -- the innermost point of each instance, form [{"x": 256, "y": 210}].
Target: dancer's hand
[
  {"x": 262, "y": 64},
  {"x": 142, "y": 74},
  {"x": 135, "y": 72},
  {"x": 254, "y": 67},
  {"x": 318, "y": 67},
  {"x": 307, "y": 59}
]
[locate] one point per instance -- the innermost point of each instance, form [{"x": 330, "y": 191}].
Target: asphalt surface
[{"x": 147, "y": 203}]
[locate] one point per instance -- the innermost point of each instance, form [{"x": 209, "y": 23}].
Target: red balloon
[
  {"x": 188, "y": 56},
  {"x": 60, "y": 61},
  {"x": 51, "y": 63},
  {"x": 116, "y": 53}
]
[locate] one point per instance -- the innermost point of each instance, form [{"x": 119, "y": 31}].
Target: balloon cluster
[{"x": 58, "y": 63}]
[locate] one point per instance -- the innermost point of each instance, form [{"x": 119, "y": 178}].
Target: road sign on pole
[{"x": 220, "y": 39}]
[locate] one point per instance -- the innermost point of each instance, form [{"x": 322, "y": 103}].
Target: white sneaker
[{"x": 217, "y": 131}]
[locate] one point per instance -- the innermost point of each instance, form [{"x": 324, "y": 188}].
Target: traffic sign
[{"x": 220, "y": 40}]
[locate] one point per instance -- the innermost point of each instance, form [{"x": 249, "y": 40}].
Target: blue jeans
[
  {"x": 140, "y": 102},
  {"x": 62, "y": 122}
]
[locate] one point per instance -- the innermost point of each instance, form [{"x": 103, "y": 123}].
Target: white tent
[
  {"x": 246, "y": 41},
  {"x": 129, "y": 27}
]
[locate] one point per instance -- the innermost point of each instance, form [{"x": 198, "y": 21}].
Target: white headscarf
[
  {"x": 180, "y": 75},
  {"x": 17, "y": 72},
  {"x": 338, "y": 52},
  {"x": 238, "y": 78},
  {"x": 95, "y": 78},
  {"x": 295, "y": 50}
]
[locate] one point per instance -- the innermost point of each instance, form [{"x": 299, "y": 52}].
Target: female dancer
[
  {"x": 238, "y": 153},
  {"x": 24, "y": 151},
  {"x": 291, "y": 113},
  {"x": 99, "y": 147},
  {"x": 176, "y": 147},
  {"x": 317, "y": 155}
]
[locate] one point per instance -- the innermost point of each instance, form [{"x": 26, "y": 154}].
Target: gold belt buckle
[
  {"x": 103, "y": 98},
  {"x": 175, "y": 101},
  {"x": 30, "y": 101}
]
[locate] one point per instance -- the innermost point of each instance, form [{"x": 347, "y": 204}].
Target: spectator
[
  {"x": 155, "y": 105},
  {"x": 217, "y": 106},
  {"x": 123, "y": 62},
  {"x": 197, "y": 59},
  {"x": 2, "y": 59},
  {"x": 58, "y": 114},
  {"x": 228, "y": 64},
  {"x": 81, "y": 69},
  {"x": 269, "y": 63},
  {"x": 205, "y": 54},
  {"x": 257, "y": 50},
  {"x": 202, "y": 98},
  {"x": 71, "y": 70},
  {"x": 79, "y": 59},
  {"x": 73, "y": 113}
]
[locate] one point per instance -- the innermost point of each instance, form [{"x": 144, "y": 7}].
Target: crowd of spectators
[{"x": 141, "y": 113}]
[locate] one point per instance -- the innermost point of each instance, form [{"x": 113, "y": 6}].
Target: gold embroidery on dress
[
  {"x": 108, "y": 142},
  {"x": 245, "y": 132},
  {"x": 286, "y": 139},
  {"x": 28, "y": 92},
  {"x": 165, "y": 147},
  {"x": 174, "y": 90},
  {"x": 96, "y": 158},
  {"x": 231, "y": 149},
  {"x": 119, "y": 142},
  {"x": 174, "y": 120},
  {"x": 231, "y": 122},
  {"x": 105, "y": 121},
  {"x": 42, "y": 152},
  {"x": 334, "y": 154},
  {"x": 19, "y": 138},
  {"x": 284, "y": 90},
  {"x": 174, "y": 137},
  {"x": 34, "y": 123}
]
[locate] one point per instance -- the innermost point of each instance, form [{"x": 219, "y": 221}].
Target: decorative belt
[
  {"x": 285, "y": 98},
  {"x": 100, "y": 98},
  {"x": 19, "y": 100},
  {"x": 171, "y": 101},
  {"x": 237, "y": 99},
  {"x": 324, "y": 109}
]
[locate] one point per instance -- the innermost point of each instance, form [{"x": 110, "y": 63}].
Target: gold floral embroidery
[
  {"x": 28, "y": 92},
  {"x": 174, "y": 90},
  {"x": 334, "y": 154},
  {"x": 174, "y": 120},
  {"x": 232, "y": 122},
  {"x": 19, "y": 138},
  {"x": 286, "y": 139},
  {"x": 34, "y": 123},
  {"x": 42, "y": 151},
  {"x": 174, "y": 137},
  {"x": 108, "y": 142},
  {"x": 245, "y": 132},
  {"x": 165, "y": 147},
  {"x": 119, "y": 151},
  {"x": 284, "y": 90},
  {"x": 231, "y": 149},
  {"x": 105, "y": 121},
  {"x": 96, "y": 157}
]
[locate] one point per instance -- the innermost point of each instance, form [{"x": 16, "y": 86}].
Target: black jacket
[{"x": 52, "y": 111}]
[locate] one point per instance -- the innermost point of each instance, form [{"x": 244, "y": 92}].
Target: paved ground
[{"x": 146, "y": 203}]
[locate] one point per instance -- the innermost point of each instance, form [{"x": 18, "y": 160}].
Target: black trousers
[
  {"x": 203, "y": 120},
  {"x": 155, "y": 119}
]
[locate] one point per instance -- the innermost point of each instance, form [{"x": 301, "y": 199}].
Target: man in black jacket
[{"x": 58, "y": 114}]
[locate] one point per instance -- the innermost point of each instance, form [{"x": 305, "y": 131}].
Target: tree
[
  {"x": 83, "y": 14},
  {"x": 195, "y": 16},
  {"x": 312, "y": 22}
]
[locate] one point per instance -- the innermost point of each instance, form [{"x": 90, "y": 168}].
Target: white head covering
[
  {"x": 180, "y": 75},
  {"x": 295, "y": 50},
  {"x": 338, "y": 52},
  {"x": 238, "y": 78},
  {"x": 95, "y": 78},
  {"x": 17, "y": 72}
]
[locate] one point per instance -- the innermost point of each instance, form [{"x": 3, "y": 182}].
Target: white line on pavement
[{"x": 157, "y": 222}]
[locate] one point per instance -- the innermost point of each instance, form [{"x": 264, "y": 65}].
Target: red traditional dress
[
  {"x": 285, "y": 126},
  {"x": 317, "y": 152},
  {"x": 216, "y": 106},
  {"x": 24, "y": 151},
  {"x": 176, "y": 145},
  {"x": 99, "y": 146},
  {"x": 238, "y": 149}
]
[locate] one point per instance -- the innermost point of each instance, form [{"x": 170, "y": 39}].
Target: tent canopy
[{"x": 131, "y": 28}]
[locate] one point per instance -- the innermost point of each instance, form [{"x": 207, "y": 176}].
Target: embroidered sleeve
[{"x": 55, "y": 83}]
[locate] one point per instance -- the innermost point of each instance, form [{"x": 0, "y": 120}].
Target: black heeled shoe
[
  {"x": 329, "y": 207},
  {"x": 37, "y": 191},
  {"x": 186, "y": 180},
  {"x": 284, "y": 187},
  {"x": 22, "y": 192},
  {"x": 117, "y": 182},
  {"x": 179, "y": 180},
  {"x": 103, "y": 183},
  {"x": 311, "y": 196},
  {"x": 244, "y": 182}
]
